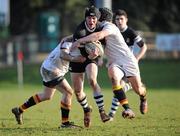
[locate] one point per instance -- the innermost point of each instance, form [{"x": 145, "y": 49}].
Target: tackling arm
[
  {"x": 66, "y": 56},
  {"x": 93, "y": 37}
]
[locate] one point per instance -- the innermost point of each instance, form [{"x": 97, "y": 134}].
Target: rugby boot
[
  {"x": 128, "y": 113},
  {"x": 18, "y": 115},
  {"x": 111, "y": 116},
  {"x": 87, "y": 116},
  {"x": 69, "y": 125},
  {"x": 143, "y": 106},
  {"x": 104, "y": 116}
]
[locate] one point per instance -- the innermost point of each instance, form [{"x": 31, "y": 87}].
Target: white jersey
[
  {"x": 75, "y": 52},
  {"x": 117, "y": 51},
  {"x": 54, "y": 63}
]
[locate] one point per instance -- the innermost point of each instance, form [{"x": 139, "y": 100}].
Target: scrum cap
[
  {"x": 106, "y": 14},
  {"x": 92, "y": 11}
]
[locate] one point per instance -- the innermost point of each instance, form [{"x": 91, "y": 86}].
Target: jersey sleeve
[
  {"x": 79, "y": 32},
  {"x": 108, "y": 27},
  {"x": 66, "y": 45},
  {"x": 137, "y": 38}
]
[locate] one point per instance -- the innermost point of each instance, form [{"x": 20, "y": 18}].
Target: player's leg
[
  {"x": 125, "y": 84},
  {"x": 78, "y": 85},
  {"x": 140, "y": 89},
  {"x": 116, "y": 74},
  {"x": 115, "y": 103},
  {"x": 47, "y": 94},
  {"x": 50, "y": 80},
  {"x": 92, "y": 71},
  {"x": 114, "y": 106},
  {"x": 65, "y": 103}
]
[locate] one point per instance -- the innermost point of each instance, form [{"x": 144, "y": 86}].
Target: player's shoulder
[
  {"x": 81, "y": 25},
  {"x": 106, "y": 23},
  {"x": 130, "y": 30},
  {"x": 109, "y": 26},
  {"x": 80, "y": 31}
]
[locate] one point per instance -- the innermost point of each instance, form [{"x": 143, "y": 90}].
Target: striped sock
[
  {"x": 114, "y": 107},
  {"x": 121, "y": 96},
  {"x": 33, "y": 100},
  {"x": 99, "y": 101},
  {"x": 84, "y": 103},
  {"x": 127, "y": 87}
]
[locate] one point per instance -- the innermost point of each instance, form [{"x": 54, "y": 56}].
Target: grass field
[{"x": 163, "y": 119}]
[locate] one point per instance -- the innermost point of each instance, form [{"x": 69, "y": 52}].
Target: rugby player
[
  {"x": 121, "y": 61},
  {"x": 132, "y": 39},
  {"x": 52, "y": 70},
  {"x": 78, "y": 70}
]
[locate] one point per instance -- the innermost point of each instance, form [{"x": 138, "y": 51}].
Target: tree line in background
[
  {"x": 146, "y": 15},
  {"x": 152, "y": 15}
]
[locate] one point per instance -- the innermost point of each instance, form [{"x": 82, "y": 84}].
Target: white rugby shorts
[{"x": 129, "y": 68}]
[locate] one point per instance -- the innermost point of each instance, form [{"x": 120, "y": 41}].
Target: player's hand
[{"x": 75, "y": 45}]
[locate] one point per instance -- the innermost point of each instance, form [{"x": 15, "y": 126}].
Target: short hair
[
  {"x": 106, "y": 14},
  {"x": 120, "y": 12},
  {"x": 92, "y": 11}
]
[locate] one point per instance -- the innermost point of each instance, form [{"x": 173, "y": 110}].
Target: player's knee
[
  {"x": 69, "y": 93},
  {"x": 67, "y": 96}
]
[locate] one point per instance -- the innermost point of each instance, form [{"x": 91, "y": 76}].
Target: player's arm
[
  {"x": 68, "y": 57},
  {"x": 138, "y": 40},
  {"x": 91, "y": 38},
  {"x": 143, "y": 49}
]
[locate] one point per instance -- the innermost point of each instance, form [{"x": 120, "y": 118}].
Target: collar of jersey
[{"x": 124, "y": 29}]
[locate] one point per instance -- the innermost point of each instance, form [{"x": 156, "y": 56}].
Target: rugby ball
[{"x": 91, "y": 46}]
